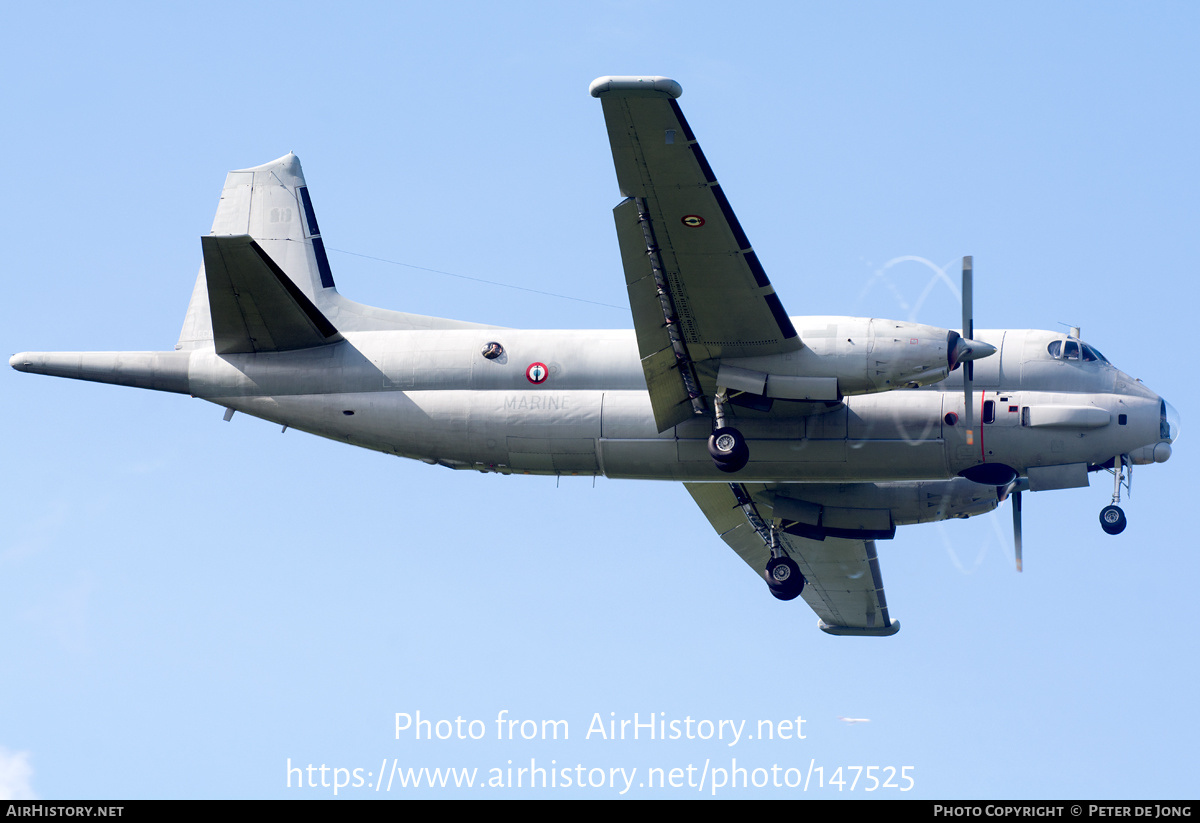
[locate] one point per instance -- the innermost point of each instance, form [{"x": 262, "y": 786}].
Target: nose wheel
[{"x": 1112, "y": 519}]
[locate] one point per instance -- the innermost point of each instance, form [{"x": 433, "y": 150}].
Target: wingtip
[
  {"x": 858, "y": 631},
  {"x": 641, "y": 86}
]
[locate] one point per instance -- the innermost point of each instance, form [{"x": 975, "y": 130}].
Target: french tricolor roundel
[{"x": 537, "y": 373}]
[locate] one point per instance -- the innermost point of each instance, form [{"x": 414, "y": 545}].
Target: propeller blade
[
  {"x": 968, "y": 297},
  {"x": 1008, "y": 488},
  {"x": 968, "y": 331},
  {"x": 1016, "y": 507}
]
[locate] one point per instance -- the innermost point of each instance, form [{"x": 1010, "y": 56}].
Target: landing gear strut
[
  {"x": 1112, "y": 519},
  {"x": 726, "y": 445},
  {"x": 783, "y": 575}
]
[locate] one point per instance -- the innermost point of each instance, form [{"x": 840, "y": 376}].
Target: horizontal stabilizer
[{"x": 255, "y": 306}]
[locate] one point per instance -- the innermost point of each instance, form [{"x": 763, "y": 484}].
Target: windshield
[
  {"x": 1071, "y": 349},
  {"x": 1168, "y": 424}
]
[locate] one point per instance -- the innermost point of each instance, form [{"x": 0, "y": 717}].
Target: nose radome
[
  {"x": 1168, "y": 422},
  {"x": 1158, "y": 453}
]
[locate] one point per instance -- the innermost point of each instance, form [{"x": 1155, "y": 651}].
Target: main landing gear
[
  {"x": 1112, "y": 519},
  {"x": 728, "y": 449},
  {"x": 726, "y": 445},
  {"x": 783, "y": 575},
  {"x": 784, "y": 578}
]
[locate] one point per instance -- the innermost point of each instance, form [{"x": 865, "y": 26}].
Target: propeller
[
  {"x": 1016, "y": 507},
  {"x": 963, "y": 351},
  {"x": 1013, "y": 489},
  {"x": 968, "y": 331},
  {"x": 966, "y": 351}
]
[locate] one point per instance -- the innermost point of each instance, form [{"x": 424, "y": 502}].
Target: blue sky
[{"x": 189, "y": 604}]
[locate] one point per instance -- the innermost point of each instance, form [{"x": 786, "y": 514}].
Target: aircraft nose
[
  {"x": 1168, "y": 431},
  {"x": 1168, "y": 421}
]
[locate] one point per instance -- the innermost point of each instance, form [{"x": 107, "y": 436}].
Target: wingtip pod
[
  {"x": 648, "y": 86},
  {"x": 859, "y": 631}
]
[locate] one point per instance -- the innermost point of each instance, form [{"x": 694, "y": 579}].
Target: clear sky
[{"x": 188, "y": 605}]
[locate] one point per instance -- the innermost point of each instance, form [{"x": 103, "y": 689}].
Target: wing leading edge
[{"x": 696, "y": 287}]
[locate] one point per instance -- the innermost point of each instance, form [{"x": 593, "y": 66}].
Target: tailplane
[{"x": 271, "y": 287}]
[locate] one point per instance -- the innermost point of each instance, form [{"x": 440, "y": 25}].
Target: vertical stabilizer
[{"x": 270, "y": 203}]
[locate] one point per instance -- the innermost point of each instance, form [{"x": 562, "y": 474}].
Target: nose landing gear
[{"x": 1112, "y": 519}]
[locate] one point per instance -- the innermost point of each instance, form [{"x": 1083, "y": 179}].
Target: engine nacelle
[
  {"x": 871, "y": 511},
  {"x": 844, "y": 356}
]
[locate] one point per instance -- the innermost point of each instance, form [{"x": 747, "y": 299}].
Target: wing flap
[
  {"x": 255, "y": 306},
  {"x": 661, "y": 363},
  {"x": 843, "y": 582},
  {"x": 722, "y": 297},
  {"x": 668, "y": 395}
]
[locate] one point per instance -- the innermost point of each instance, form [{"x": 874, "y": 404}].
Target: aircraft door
[{"x": 999, "y": 425}]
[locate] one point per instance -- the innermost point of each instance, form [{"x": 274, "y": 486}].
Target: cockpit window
[
  {"x": 1168, "y": 426},
  {"x": 1070, "y": 349}
]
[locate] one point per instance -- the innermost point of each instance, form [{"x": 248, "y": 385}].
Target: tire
[
  {"x": 784, "y": 578},
  {"x": 734, "y": 466},
  {"x": 1112, "y": 519},
  {"x": 728, "y": 449}
]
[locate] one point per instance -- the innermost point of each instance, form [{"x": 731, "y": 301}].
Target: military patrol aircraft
[{"x": 803, "y": 439}]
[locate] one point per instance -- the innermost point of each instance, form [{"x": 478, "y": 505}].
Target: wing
[
  {"x": 842, "y": 580},
  {"x": 696, "y": 287}
]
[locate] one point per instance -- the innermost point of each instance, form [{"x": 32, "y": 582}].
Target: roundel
[
  {"x": 537, "y": 373},
  {"x": 692, "y": 221}
]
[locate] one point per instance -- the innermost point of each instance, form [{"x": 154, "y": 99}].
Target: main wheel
[
  {"x": 728, "y": 449},
  {"x": 1112, "y": 519},
  {"x": 784, "y": 578}
]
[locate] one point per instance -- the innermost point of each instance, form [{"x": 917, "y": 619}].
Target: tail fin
[{"x": 271, "y": 204}]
